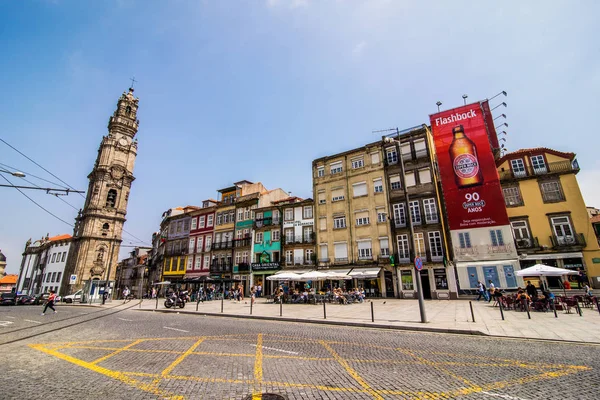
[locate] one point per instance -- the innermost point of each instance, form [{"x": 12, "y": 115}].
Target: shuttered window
[
  {"x": 409, "y": 179},
  {"x": 359, "y": 189},
  {"x": 341, "y": 251}
]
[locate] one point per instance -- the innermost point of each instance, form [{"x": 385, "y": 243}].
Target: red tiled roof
[
  {"x": 10, "y": 279},
  {"x": 533, "y": 151},
  {"x": 60, "y": 237}
]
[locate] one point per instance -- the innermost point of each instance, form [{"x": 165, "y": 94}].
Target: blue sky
[{"x": 255, "y": 90}]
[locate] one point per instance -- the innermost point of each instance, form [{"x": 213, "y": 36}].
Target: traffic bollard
[
  {"x": 222, "y": 298},
  {"x": 324, "y": 311},
  {"x": 554, "y": 308},
  {"x": 251, "y": 303},
  {"x": 527, "y": 308},
  {"x": 598, "y": 305},
  {"x": 501, "y": 309},
  {"x": 156, "y": 308},
  {"x": 198, "y": 302},
  {"x": 372, "y": 313},
  {"x": 579, "y": 311},
  {"x": 472, "y": 313},
  {"x": 281, "y": 306}
]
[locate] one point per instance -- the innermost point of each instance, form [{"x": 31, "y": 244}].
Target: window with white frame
[
  {"x": 208, "y": 242},
  {"x": 362, "y": 218},
  {"x": 53, "y": 257},
  {"x": 209, "y": 220},
  {"x": 415, "y": 212},
  {"x": 189, "y": 262},
  {"x": 395, "y": 182},
  {"x": 419, "y": 245},
  {"x": 320, "y": 172},
  {"x": 308, "y": 255},
  {"x": 201, "y": 221},
  {"x": 375, "y": 158},
  {"x": 246, "y": 233},
  {"x": 289, "y": 257},
  {"x": 275, "y": 235},
  {"x": 337, "y": 194},
  {"x": 420, "y": 148},
  {"x": 307, "y": 232},
  {"x": 206, "y": 261},
  {"x": 200, "y": 243},
  {"x": 538, "y": 164},
  {"x": 192, "y": 244},
  {"x": 321, "y": 197},
  {"x": 359, "y": 189},
  {"x": 323, "y": 253},
  {"x": 399, "y": 215},
  {"x": 238, "y": 257},
  {"x": 219, "y": 219},
  {"x": 245, "y": 257},
  {"x": 512, "y": 196},
  {"x": 357, "y": 163},
  {"x": 409, "y": 179},
  {"x": 307, "y": 212},
  {"x": 289, "y": 235},
  {"x": 392, "y": 155},
  {"x": 340, "y": 251},
  {"x": 378, "y": 185},
  {"x": 339, "y": 222},
  {"x": 424, "y": 175},
  {"x": 435, "y": 244},
  {"x": 464, "y": 240},
  {"x": 194, "y": 223},
  {"x": 431, "y": 214},
  {"x": 259, "y": 237},
  {"x": 198, "y": 263},
  {"x": 521, "y": 233},
  {"x": 381, "y": 215},
  {"x": 518, "y": 167},
  {"x": 275, "y": 217},
  {"x": 289, "y": 214},
  {"x": 384, "y": 247},
  {"x": 405, "y": 148},
  {"x": 365, "y": 250},
  {"x": 335, "y": 168},
  {"x": 238, "y": 234},
  {"x": 563, "y": 230},
  {"x": 551, "y": 191},
  {"x": 496, "y": 236},
  {"x": 240, "y": 214},
  {"x": 403, "y": 249},
  {"x": 322, "y": 223}
]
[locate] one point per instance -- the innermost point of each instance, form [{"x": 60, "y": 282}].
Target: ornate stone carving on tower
[{"x": 99, "y": 225}]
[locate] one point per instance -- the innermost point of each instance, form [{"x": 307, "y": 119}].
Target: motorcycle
[{"x": 176, "y": 301}]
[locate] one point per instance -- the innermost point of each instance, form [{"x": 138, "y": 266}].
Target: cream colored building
[{"x": 353, "y": 235}]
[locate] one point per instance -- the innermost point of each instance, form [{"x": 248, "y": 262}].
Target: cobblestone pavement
[{"x": 142, "y": 355}]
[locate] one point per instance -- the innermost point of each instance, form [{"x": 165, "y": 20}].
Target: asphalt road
[{"x": 91, "y": 353}]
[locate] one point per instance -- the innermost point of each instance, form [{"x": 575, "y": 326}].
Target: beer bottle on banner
[{"x": 463, "y": 155}]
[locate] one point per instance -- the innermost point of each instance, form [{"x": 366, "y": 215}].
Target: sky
[{"x": 256, "y": 90}]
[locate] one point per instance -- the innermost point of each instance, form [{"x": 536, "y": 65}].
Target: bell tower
[{"x": 99, "y": 226}]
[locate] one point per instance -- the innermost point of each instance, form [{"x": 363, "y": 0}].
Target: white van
[{"x": 73, "y": 297}]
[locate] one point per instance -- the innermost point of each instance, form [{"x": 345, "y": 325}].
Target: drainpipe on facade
[{"x": 351, "y": 258}]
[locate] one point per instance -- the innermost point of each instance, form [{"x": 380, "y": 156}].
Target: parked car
[
  {"x": 41, "y": 298},
  {"x": 8, "y": 299},
  {"x": 24, "y": 299},
  {"x": 73, "y": 297}
]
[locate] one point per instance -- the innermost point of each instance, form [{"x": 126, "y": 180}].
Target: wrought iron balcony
[
  {"x": 342, "y": 260},
  {"x": 242, "y": 242},
  {"x": 269, "y": 221},
  {"x": 299, "y": 239},
  {"x": 550, "y": 168},
  {"x": 437, "y": 258},
  {"x": 243, "y": 267},
  {"x": 568, "y": 241},
  {"x": 219, "y": 266},
  {"x": 366, "y": 258},
  {"x": 527, "y": 243}
]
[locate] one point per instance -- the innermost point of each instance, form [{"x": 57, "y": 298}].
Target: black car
[
  {"x": 24, "y": 299},
  {"x": 41, "y": 298},
  {"x": 8, "y": 299}
]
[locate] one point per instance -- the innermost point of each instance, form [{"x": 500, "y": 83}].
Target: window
[
  {"x": 339, "y": 222},
  {"x": 200, "y": 243},
  {"x": 247, "y": 213},
  {"x": 338, "y": 194},
  {"x": 381, "y": 216},
  {"x": 323, "y": 254},
  {"x": 105, "y": 226},
  {"x": 431, "y": 215},
  {"x": 377, "y": 185},
  {"x": 259, "y": 216},
  {"x": 192, "y": 245},
  {"x": 206, "y": 261},
  {"x": 323, "y": 223},
  {"x": 362, "y": 218},
  {"x": 194, "y": 223},
  {"x": 415, "y": 212},
  {"x": 521, "y": 233},
  {"x": 320, "y": 172},
  {"x": 240, "y": 214},
  {"x": 64, "y": 255},
  {"x": 259, "y": 237},
  {"x": 190, "y": 262},
  {"x": 58, "y": 276},
  {"x": 308, "y": 230},
  {"x": 407, "y": 279},
  {"x": 48, "y": 275},
  {"x": 518, "y": 167},
  {"x": 275, "y": 235},
  {"x": 395, "y": 182},
  {"x": 551, "y": 191},
  {"x": 201, "y": 221},
  {"x": 392, "y": 155},
  {"x": 384, "y": 247},
  {"x": 512, "y": 196},
  {"x": 246, "y": 233},
  {"x": 424, "y": 175},
  {"x": 405, "y": 149},
  {"x": 375, "y": 158},
  {"x": 53, "y": 277},
  {"x": 399, "y": 215},
  {"x": 403, "y": 250},
  {"x": 198, "y": 263},
  {"x": 464, "y": 239},
  {"x": 435, "y": 244},
  {"x": 53, "y": 257},
  {"x": 208, "y": 242},
  {"x": 307, "y": 212},
  {"x": 289, "y": 235},
  {"x": 186, "y": 225},
  {"x": 308, "y": 255},
  {"x": 441, "y": 281},
  {"x": 275, "y": 217},
  {"x": 365, "y": 251},
  {"x": 179, "y": 226},
  {"x": 289, "y": 214},
  {"x": 181, "y": 263},
  {"x": 420, "y": 148},
  {"x": 275, "y": 256},
  {"x": 409, "y": 179},
  {"x": 172, "y": 228},
  {"x": 209, "y": 220},
  {"x": 340, "y": 251},
  {"x": 336, "y": 168},
  {"x": 321, "y": 197},
  {"x": 358, "y": 163},
  {"x": 562, "y": 229},
  {"x": 496, "y": 236},
  {"x": 238, "y": 258},
  {"x": 111, "y": 198},
  {"x": 538, "y": 164},
  {"x": 359, "y": 189},
  {"x": 419, "y": 245},
  {"x": 289, "y": 256}
]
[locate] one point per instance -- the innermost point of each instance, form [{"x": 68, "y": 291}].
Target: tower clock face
[{"x": 123, "y": 142}]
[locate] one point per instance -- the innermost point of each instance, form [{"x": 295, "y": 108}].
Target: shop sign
[
  {"x": 297, "y": 223},
  {"x": 265, "y": 266},
  {"x": 596, "y": 260}
]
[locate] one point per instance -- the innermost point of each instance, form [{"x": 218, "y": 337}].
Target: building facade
[
  {"x": 222, "y": 247},
  {"x": 132, "y": 273},
  {"x": 267, "y": 246},
  {"x": 201, "y": 234},
  {"x": 548, "y": 217},
  {"x": 177, "y": 242},
  {"x": 99, "y": 226}
]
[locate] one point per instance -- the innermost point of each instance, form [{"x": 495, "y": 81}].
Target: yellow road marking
[
  {"x": 182, "y": 357},
  {"x": 350, "y": 370},
  {"x": 114, "y": 353},
  {"x": 258, "y": 368}
]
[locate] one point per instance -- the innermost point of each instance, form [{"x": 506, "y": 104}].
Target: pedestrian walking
[
  {"x": 491, "y": 291},
  {"x": 154, "y": 293},
  {"x": 50, "y": 302},
  {"x": 259, "y": 290},
  {"x": 481, "y": 289}
]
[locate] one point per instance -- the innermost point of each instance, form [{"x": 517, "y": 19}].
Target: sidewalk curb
[{"x": 328, "y": 322}]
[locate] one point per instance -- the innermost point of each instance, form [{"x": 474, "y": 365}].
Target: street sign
[
  {"x": 418, "y": 263},
  {"x": 73, "y": 279}
]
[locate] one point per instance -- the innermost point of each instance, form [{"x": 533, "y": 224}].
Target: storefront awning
[
  {"x": 293, "y": 271},
  {"x": 553, "y": 256},
  {"x": 271, "y": 272},
  {"x": 484, "y": 263},
  {"x": 365, "y": 273}
]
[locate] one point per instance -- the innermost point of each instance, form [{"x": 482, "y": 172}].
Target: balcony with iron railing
[
  {"x": 266, "y": 222},
  {"x": 299, "y": 239},
  {"x": 527, "y": 243},
  {"x": 341, "y": 260},
  {"x": 222, "y": 245},
  {"x": 220, "y": 266},
  {"x": 299, "y": 261},
  {"x": 401, "y": 258},
  {"x": 529, "y": 171},
  {"x": 242, "y": 242},
  {"x": 576, "y": 240}
]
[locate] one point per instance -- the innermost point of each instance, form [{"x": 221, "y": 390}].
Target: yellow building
[
  {"x": 353, "y": 235},
  {"x": 547, "y": 213}
]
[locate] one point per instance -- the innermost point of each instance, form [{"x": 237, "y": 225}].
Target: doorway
[
  {"x": 389, "y": 283},
  {"x": 425, "y": 284}
]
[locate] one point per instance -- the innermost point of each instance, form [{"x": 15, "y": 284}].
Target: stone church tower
[{"x": 98, "y": 227}]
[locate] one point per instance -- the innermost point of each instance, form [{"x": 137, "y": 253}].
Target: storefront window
[
  {"x": 441, "y": 281},
  {"x": 407, "y": 279}
]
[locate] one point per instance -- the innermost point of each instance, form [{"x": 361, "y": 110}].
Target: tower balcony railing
[{"x": 550, "y": 168}]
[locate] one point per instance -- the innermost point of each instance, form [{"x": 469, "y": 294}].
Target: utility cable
[
  {"x": 54, "y": 194},
  {"x": 34, "y": 176}
]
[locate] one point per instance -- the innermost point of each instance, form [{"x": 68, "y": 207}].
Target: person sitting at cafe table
[{"x": 531, "y": 290}]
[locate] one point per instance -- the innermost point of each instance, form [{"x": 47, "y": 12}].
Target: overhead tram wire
[
  {"x": 54, "y": 194},
  {"x": 34, "y": 176},
  {"x": 24, "y": 155},
  {"x": 36, "y": 203}
]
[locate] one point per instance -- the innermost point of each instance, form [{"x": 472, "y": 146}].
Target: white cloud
[{"x": 359, "y": 48}]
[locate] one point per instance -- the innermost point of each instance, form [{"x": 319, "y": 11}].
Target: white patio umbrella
[
  {"x": 543, "y": 270},
  {"x": 314, "y": 276},
  {"x": 285, "y": 276}
]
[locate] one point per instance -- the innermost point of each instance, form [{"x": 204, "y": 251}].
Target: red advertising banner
[{"x": 470, "y": 183}]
